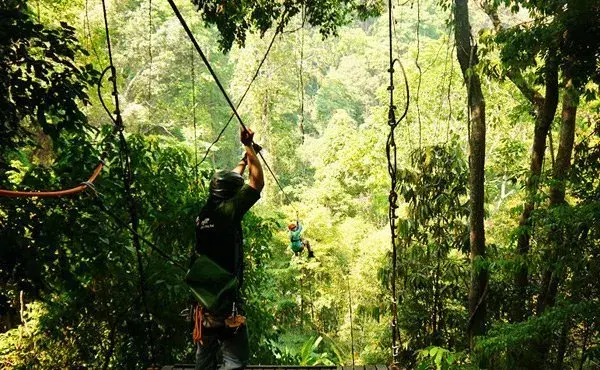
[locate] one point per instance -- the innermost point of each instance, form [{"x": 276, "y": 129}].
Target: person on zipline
[
  {"x": 297, "y": 243},
  {"x": 222, "y": 336}
]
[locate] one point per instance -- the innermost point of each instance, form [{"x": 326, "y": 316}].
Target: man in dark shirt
[{"x": 219, "y": 237}]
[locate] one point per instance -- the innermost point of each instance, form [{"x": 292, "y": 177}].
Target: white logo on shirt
[{"x": 206, "y": 224}]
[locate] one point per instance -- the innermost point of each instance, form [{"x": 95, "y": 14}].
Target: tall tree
[
  {"x": 465, "y": 50},
  {"x": 544, "y": 109}
]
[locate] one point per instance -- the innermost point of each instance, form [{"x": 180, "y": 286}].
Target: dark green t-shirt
[{"x": 219, "y": 229}]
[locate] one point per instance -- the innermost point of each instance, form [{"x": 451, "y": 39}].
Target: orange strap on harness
[
  {"x": 232, "y": 322},
  {"x": 198, "y": 318},
  {"x": 58, "y": 193}
]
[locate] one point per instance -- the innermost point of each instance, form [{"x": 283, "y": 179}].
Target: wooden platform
[{"x": 281, "y": 367}]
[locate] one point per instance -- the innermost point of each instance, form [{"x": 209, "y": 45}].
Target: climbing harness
[
  {"x": 391, "y": 154},
  {"x": 204, "y": 320}
]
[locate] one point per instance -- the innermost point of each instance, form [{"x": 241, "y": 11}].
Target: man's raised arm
[{"x": 255, "y": 171}]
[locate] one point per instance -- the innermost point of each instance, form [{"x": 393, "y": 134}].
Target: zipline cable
[
  {"x": 218, "y": 82},
  {"x": 150, "y": 54},
  {"x": 448, "y": 94},
  {"x": 206, "y": 62},
  {"x": 351, "y": 319},
  {"x": 240, "y": 101},
  {"x": 127, "y": 182},
  {"x": 420, "y": 72},
  {"x": 194, "y": 119},
  {"x": 301, "y": 79},
  {"x": 391, "y": 154}
]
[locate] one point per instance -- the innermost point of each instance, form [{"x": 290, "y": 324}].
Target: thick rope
[
  {"x": 58, "y": 193},
  {"x": 127, "y": 181},
  {"x": 391, "y": 153}
]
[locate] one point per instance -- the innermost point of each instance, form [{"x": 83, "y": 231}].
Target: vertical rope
[
  {"x": 469, "y": 83},
  {"x": 420, "y": 71},
  {"x": 351, "y": 319},
  {"x": 448, "y": 94},
  {"x": 302, "y": 76},
  {"x": 88, "y": 31},
  {"x": 444, "y": 76},
  {"x": 150, "y": 56},
  {"x": 392, "y": 161},
  {"x": 393, "y": 196},
  {"x": 399, "y": 52},
  {"x": 127, "y": 182}
]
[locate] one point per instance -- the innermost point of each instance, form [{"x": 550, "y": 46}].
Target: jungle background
[{"x": 70, "y": 292}]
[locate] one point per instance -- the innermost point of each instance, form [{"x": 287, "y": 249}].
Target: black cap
[{"x": 224, "y": 184}]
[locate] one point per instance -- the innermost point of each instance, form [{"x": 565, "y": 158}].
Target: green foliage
[
  {"x": 77, "y": 269},
  {"x": 28, "y": 347},
  {"x": 442, "y": 359},
  {"x": 42, "y": 84},
  {"x": 433, "y": 235},
  {"x": 310, "y": 357},
  {"x": 234, "y": 21}
]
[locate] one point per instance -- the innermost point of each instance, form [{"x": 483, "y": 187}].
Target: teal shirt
[{"x": 296, "y": 239}]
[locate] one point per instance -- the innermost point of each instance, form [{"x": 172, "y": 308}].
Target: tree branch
[{"x": 515, "y": 76}]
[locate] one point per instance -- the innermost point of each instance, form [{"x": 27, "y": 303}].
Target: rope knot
[{"x": 393, "y": 198}]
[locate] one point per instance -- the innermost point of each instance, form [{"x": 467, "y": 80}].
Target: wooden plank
[{"x": 282, "y": 367}]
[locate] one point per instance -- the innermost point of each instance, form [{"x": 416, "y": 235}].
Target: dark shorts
[{"x": 223, "y": 349}]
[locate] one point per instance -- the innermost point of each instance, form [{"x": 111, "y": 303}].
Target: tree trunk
[
  {"x": 553, "y": 275},
  {"x": 557, "y": 187},
  {"x": 565, "y": 146},
  {"x": 479, "y": 275},
  {"x": 545, "y": 114},
  {"x": 562, "y": 347}
]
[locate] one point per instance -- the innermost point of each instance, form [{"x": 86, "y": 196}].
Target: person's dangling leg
[
  {"x": 206, "y": 353},
  {"x": 235, "y": 349},
  {"x": 310, "y": 251}
]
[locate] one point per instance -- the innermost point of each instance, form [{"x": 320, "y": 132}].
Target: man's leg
[
  {"x": 206, "y": 353},
  {"x": 235, "y": 350},
  {"x": 310, "y": 252}
]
